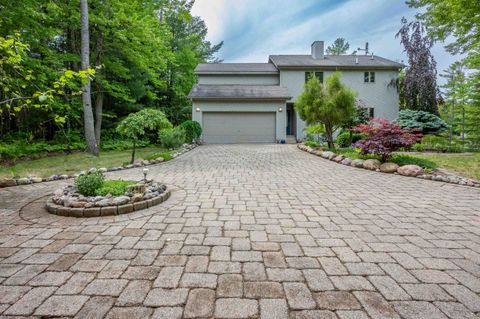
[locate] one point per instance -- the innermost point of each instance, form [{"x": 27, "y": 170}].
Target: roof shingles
[
  {"x": 239, "y": 92},
  {"x": 340, "y": 61}
]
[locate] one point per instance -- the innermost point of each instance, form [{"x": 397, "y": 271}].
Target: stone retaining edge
[
  {"x": 55, "y": 209},
  {"x": 454, "y": 180}
]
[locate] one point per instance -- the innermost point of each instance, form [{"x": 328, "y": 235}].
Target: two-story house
[{"x": 255, "y": 102}]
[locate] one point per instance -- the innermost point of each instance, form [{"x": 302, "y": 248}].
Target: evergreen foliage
[
  {"x": 192, "y": 129},
  {"x": 331, "y": 104},
  {"x": 423, "y": 122}
]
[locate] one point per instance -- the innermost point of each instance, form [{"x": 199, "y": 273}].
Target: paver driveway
[{"x": 261, "y": 231}]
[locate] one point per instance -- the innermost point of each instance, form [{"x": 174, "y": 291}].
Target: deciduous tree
[
  {"x": 88, "y": 122},
  {"x": 136, "y": 125},
  {"x": 420, "y": 84}
]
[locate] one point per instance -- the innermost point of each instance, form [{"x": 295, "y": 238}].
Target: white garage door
[{"x": 229, "y": 127}]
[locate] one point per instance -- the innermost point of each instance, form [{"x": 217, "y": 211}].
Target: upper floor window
[
  {"x": 318, "y": 75},
  {"x": 369, "y": 77},
  {"x": 371, "y": 112}
]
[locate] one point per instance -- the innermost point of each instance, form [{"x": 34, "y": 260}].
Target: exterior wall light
[
  {"x": 280, "y": 109},
  {"x": 197, "y": 109}
]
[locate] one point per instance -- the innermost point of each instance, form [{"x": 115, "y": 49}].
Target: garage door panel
[{"x": 238, "y": 127}]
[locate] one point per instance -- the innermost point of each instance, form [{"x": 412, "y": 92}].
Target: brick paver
[{"x": 250, "y": 231}]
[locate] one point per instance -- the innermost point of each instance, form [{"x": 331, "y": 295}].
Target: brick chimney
[{"x": 317, "y": 50}]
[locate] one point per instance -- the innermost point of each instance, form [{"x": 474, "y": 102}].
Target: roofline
[
  {"x": 210, "y": 98},
  {"x": 236, "y": 72},
  {"x": 343, "y": 67}
]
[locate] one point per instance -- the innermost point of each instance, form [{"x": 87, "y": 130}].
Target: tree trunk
[
  {"x": 98, "y": 114},
  {"x": 133, "y": 151},
  {"x": 463, "y": 123},
  {"x": 329, "y": 135},
  {"x": 100, "y": 95},
  {"x": 451, "y": 122},
  {"x": 89, "y": 128}
]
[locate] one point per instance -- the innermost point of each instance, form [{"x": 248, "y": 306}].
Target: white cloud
[{"x": 254, "y": 29}]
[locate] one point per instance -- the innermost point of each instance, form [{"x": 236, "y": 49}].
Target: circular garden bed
[{"x": 92, "y": 196}]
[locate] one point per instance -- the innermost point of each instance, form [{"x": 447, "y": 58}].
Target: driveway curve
[{"x": 251, "y": 231}]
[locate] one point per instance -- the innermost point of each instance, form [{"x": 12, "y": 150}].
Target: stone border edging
[
  {"x": 375, "y": 165},
  {"x": 55, "y": 209},
  {"x": 36, "y": 180}
]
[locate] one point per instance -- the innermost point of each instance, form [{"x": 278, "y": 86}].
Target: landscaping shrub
[
  {"x": 424, "y": 122},
  {"x": 192, "y": 129},
  {"x": 112, "y": 187},
  {"x": 88, "y": 183},
  {"x": 137, "y": 125},
  {"x": 343, "y": 139},
  {"x": 165, "y": 155},
  {"x": 312, "y": 144},
  {"x": 410, "y": 160},
  {"x": 384, "y": 137},
  {"x": 315, "y": 132},
  {"x": 172, "y": 137},
  {"x": 13, "y": 150},
  {"x": 442, "y": 144},
  {"x": 418, "y": 147}
]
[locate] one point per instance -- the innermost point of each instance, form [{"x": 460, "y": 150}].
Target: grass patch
[
  {"x": 113, "y": 187},
  {"x": 401, "y": 160},
  {"x": 73, "y": 163},
  {"x": 312, "y": 144},
  {"x": 354, "y": 154},
  {"x": 464, "y": 164},
  {"x": 165, "y": 155}
]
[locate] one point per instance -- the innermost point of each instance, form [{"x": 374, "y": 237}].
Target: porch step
[{"x": 291, "y": 139}]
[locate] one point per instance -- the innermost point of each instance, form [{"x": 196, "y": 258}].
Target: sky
[{"x": 254, "y": 29}]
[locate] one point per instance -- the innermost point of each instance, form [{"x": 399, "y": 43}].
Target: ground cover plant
[
  {"x": 76, "y": 162},
  {"x": 113, "y": 187}
]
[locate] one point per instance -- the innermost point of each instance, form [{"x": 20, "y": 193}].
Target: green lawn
[
  {"x": 70, "y": 164},
  {"x": 466, "y": 164}
]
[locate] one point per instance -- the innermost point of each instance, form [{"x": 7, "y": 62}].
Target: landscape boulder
[
  {"x": 346, "y": 161},
  {"x": 410, "y": 170},
  {"x": 326, "y": 154},
  {"x": 338, "y": 158},
  {"x": 357, "y": 163},
  {"x": 372, "y": 164},
  {"x": 388, "y": 167}
]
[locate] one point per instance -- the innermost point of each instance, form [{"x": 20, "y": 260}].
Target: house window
[
  {"x": 369, "y": 77},
  {"x": 371, "y": 112},
  {"x": 318, "y": 75}
]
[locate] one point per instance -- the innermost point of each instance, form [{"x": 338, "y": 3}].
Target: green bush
[
  {"x": 13, "y": 150},
  {"x": 172, "y": 137},
  {"x": 112, "y": 187},
  {"x": 192, "y": 129},
  {"x": 87, "y": 184},
  {"x": 424, "y": 122},
  {"x": 442, "y": 144},
  {"x": 165, "y": 155},
  {"x": 418, "y": 147},
  {"x": 410, "y": 160},
  {"x": 312, "y": 144},
  {"x": 343, "y": 139}
]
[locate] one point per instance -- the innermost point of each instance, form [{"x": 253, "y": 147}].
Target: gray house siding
[{"x": 378, "y": 95}]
